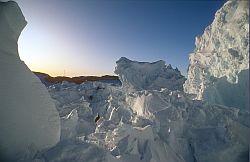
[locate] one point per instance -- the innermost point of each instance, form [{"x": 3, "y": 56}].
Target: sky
[{"x": 87, "y": 37}]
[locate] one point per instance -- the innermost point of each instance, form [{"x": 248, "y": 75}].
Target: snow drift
[{"x": 29, "y": 120}]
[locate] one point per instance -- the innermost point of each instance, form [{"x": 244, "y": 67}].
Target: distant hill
[{"x": 49, "y": 80}]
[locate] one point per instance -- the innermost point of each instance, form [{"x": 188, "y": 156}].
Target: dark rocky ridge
[{"x": 49, "y": 80}]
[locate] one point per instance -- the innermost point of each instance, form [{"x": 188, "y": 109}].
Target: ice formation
[
  {"x": 145, "y": 125},
  {"x": 143, "y": 75},
  {"x": 29, "y": 120},
  {"x": 149, "y": 118},
  {"x": 218, "y": 69}
]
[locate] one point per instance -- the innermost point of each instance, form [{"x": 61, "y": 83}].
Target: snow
[
  {"x": 149, "y": 117},
  {"x": 29, "y": 120},
  {"x": 221, "y": 55}
]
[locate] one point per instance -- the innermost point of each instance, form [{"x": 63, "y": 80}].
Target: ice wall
[
  {"x": 29, "y": 120},
  {"x": 221, "y": 54}
]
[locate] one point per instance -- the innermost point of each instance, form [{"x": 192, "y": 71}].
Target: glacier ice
[
  {"x": 221, "y": 56},
  {"x": 29, "y": 120}
]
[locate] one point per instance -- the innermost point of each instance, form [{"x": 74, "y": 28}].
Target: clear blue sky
[{"x": 86, "y": 37}]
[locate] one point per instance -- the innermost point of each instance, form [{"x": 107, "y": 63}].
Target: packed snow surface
[
  {"x": 29, "y": 120},
  {"x": 221, "y": 57}
]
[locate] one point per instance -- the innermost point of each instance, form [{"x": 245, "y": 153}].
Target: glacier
[
  {"x": 156, "y": 115},
  {"x": 29, "y": 120}
]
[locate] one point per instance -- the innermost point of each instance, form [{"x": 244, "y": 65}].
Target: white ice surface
[
  {"x": 148, "y": 125},
  {"x": 221, "y": 54},
  {"x": 143, "y": 75},
  {"x": 149, "y": 118},
  {"x": 29, "y": 120}
]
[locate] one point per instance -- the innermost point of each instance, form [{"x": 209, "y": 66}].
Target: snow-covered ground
[{"x": 150, "y": 118}]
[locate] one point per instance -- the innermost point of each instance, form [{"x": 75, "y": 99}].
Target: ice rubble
[
  {"x": 29, "y": 120},
  {"x": 221, "y": 58},
  {"x": 145, "y": 125},
  {"x": 149, "y": 118}
]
